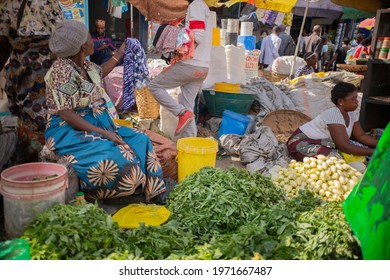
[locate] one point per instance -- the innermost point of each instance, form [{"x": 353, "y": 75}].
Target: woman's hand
[{"x": 113, "y": 137}]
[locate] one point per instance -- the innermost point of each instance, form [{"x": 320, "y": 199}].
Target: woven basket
[
  {"x": 148, "y": 107},
  {"x": 284, "y": 122},
  {"x": 273, "y": 77}
]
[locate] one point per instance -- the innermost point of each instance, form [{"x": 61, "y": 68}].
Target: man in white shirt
[
  {"x": 188, "y": 74},
  {"x": 270, "y": 47}
]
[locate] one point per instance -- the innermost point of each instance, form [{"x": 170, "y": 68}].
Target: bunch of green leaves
[
  {"x": 220, "y": 201},
  {"x": 74, "y": 232},
  {"x": 324, "y": 234},
  {"x": 160, "y": 242}
]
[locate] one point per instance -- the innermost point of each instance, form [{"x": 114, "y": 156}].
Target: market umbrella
[
  {"x": 351, "y": 13},
  {"x": 284, "y": 6},
  {"x": 367, "y": 23},
  {"x": 363, "y": 5},
  {"x": 322, "y": 9}
]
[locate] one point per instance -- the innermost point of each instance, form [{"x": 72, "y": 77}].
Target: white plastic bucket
[{"x": 24, "y": 198}]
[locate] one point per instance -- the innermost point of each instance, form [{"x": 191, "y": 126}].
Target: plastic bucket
[
  {"x": 195, "y": 153},
  {"x": 25, "y": 198},
  {"x": 233, "y": 123}
]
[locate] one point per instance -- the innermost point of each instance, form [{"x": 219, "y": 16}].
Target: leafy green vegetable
[
  {"x": 220, "y": 201},
  {"x": 74, "y": 232}
]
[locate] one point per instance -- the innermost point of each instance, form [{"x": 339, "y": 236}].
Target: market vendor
[
  {"x": 111, "y": 162},
  {"x": 103, "y": 45},
  {"x": 330, "y": 132},
  {"x": 311, "y": 62}
]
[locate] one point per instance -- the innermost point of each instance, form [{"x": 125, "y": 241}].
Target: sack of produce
[
  {"x": 251, "y": 64},
  {"x": 282, "y": 65},
  {"x": 310, "y": 95},
  {"x": 367, "y": 207}
]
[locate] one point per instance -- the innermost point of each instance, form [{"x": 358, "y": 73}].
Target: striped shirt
[{"x": 318, "y": 127}]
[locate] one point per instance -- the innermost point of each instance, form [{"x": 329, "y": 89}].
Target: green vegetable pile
[
  {"x": 215, "y": 214},
  {"x": 74, "y": 232}
]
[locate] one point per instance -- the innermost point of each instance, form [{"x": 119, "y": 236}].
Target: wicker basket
[
  {"x": 148, "y": 107},
  {"x": 284, "y": 122},
  {"x": 273, "y": 77}
]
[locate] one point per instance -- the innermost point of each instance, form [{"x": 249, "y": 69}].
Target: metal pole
[
  {"x": 131, "y": 20},
  {"x": 299, "y": 38}
]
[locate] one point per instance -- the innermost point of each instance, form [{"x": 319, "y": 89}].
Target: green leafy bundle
[
  {"x": 220, "y": 201},
  {"x": 74, "y": 232}
]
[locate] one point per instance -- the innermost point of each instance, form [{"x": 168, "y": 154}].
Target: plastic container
[
  {"x": 24, "y": 198},
  {"x": 246, "y": 28},
  {"x": 249, "y": 42},
  {"x": 194, "y": 154},
  {"x": 233, "y": 123},
  {"x": 383, "y": 53},
  {"x": 217, "y": 102},
  {"x": 386, "y": 43},
  {"x": 216, "y": 41},
  {"x": 233, "y": 25},
  {"x": 379, "y": 43}
]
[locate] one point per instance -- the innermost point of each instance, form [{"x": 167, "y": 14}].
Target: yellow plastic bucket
[{"x": 195, "y": 153}]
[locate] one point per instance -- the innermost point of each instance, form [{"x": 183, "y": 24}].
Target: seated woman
[
  {"x": 111, "y": 161},
  {"x": 311, "y": 63},
  {"x": 331, "y": 130}
]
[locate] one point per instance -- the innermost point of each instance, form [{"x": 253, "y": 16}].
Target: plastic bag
[
  {"x": 133, "y": 215},
  {"x": 352, "y": 158},
  {"x": 16, "y": 249},
  {"x": 367, "y": 208}
]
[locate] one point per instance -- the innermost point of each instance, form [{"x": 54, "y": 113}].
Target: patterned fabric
[
  {"x": 135, "y": 73},
  {"x": 299, "y": 146},
  {"x": 30, "y": 59},
  {"x": 66, "y": 89},
  {"x": 39, "y": 19},
  {"x": 304, "y": 70},
  {"x": 167, "y": 41},
  {"x": 105, "y": 169}
]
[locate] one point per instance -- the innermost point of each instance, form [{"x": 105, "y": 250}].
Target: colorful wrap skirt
[
  {"x": 106, "y": 170},
  {"x": 300, "y": 146}
]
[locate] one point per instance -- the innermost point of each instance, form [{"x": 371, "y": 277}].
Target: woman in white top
[{"x": 330, "y": 131}]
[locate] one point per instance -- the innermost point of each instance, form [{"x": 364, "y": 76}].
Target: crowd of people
[{"x": 279, "y": 43}]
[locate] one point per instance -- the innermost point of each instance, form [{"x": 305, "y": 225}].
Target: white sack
[
  {"x": 282, "y": 65},
  {"x": 218, "y": 67},
  {"x": 235, "y": 58},
  {"x": 310, "y": 95}
]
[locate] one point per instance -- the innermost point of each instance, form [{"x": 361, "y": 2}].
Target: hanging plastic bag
[
  {"x": 367, "y": 208},
  {"x": 16, "y": 249}
]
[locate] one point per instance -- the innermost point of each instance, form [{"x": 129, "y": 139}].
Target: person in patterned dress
[
  {"x": 311, "y": 61},
  {"x": 30, "y": 59},
  {"x": 111, "y": 161}
]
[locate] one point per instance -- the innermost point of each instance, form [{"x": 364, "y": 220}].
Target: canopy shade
[
  {"x": 322, "y": 9},
  {"x": 161, "y": 10},
  {"x": 351, "y": 13},
  {"x": 363, "y": 5},
  {"x": 284, "y": 6}
]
